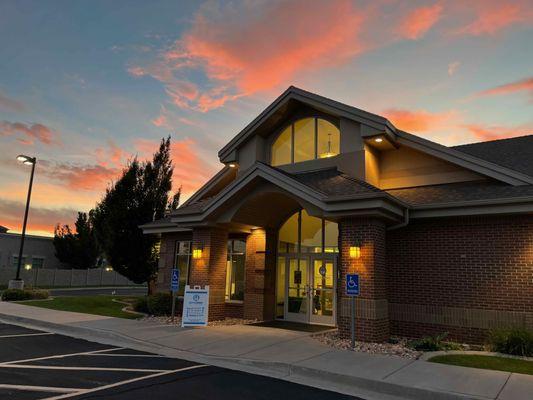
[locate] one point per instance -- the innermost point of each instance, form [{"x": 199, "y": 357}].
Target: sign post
[
  {"x": 195, "y": 306},
  {"x": 352, "y": 290},
  {"x": 174, "y": 287}
]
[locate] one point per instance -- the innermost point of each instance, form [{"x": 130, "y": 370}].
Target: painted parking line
[
  {"x": 26, "y": 334},
  {"x": 22, "y": 366},
  {"x": 48, "y": 389},
  {"x": 61, "y": 356},
  {"x": 128, "y": 381}
]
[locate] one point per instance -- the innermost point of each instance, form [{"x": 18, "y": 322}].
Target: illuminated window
[
  {"x": 235, "y": 270},
  {"x": 306, "y": 139},
  {"x": 183, "y": 263},
  {"x": 303, "y": 233}
]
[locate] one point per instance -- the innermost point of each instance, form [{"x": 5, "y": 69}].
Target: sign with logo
[
  {"x": 352, "y": 285},
  {"x": 175, "y": 280},
  {"x": 195, "y": 306}
]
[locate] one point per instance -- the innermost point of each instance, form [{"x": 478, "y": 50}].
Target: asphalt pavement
[{"x": 41, "y": 365}]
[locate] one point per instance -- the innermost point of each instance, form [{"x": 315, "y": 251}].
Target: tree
[
  {"x": 174, "y": 203},
  {"x": 77, "y": 250},
  {"x": 139, "y": 196}
]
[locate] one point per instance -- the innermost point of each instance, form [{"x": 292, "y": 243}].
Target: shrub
[
  {"x": 518, "y": 342},
  {"x": 141, "y": 305},
  {"x": 434, "y": 343},
  {"x": 159, "y": 304},
  {"x": 19, "y": 295}
]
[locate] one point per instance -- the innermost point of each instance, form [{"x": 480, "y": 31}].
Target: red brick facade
[{"x": 167, "y": 258}]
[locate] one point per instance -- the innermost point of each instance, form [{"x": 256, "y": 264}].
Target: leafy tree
[
  {"x": 174, "y": 203},
  {"x": 139, "y": 196},
  {"x": 77, "y": 250}
]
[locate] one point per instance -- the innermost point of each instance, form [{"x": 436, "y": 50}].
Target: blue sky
[{"x": 86, "y": 85}]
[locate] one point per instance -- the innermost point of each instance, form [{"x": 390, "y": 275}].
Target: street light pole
[{"x": 18, "y": 283}]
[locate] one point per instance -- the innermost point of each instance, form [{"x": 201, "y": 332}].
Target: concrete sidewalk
[{"x": 288, "y": 355}]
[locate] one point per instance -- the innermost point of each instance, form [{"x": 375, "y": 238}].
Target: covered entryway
[{"x": 310, "y": 288}]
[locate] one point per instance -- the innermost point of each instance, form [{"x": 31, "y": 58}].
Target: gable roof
[{"x": 514, "y": 153}]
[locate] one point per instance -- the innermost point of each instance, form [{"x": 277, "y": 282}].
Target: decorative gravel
[
  {"x": 397, "y": 346},
  {"x": 177, "y": 321}
]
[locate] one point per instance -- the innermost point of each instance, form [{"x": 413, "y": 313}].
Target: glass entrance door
[{"x": 310, "y": 289}]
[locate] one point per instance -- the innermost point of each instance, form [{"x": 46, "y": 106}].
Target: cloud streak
[
  {"x": 9, "y": 104},
  {"x": 524, "y": 85},
  {"x": 28, "y": 133},
  {"x": 420, "y": 20}
]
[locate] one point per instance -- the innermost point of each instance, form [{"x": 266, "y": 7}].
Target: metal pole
[
  {"x": 25, "y": 219},
  {"x": 173, "y": 305},
  {"x": 353, "y": 322}
]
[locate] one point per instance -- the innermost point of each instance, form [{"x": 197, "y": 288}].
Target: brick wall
[
  {"x": 469, "y": 274},
  {"x": 255, "y": 274},
  {"x": 371, "y": 324},
  {"x": 167, "y": 258}
]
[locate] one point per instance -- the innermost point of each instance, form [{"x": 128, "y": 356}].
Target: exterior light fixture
[
  {"x": 108, "y": 269},
  {"x": 27, "y": 267},
  {"x": 355, "y": 251},
  {"x": 197, "y": 253},
  {"x": 232, "y": 165},
  {"x": 378, "y": 140}
]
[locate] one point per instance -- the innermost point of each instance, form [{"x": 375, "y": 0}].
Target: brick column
[
  {"x": 210, "y": 269},
  {"x": 254, "y": 275},
  {"x": 372, "y": 321}
]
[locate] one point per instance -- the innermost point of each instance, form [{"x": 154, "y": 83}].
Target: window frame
[
  {"x": 229, "y": 271},
  {"x": 291, "y": 125}
]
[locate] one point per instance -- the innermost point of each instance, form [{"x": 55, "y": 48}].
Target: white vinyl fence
[{"x": 65, "y": 277}]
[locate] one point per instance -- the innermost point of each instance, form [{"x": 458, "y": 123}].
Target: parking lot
[{"x": 42, "y": 365}]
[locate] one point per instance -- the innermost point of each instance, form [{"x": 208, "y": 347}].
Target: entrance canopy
[{"x": 265, "y": 196}]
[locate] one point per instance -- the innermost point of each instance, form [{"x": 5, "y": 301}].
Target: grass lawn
[
  {"x": 486, "y": 362},
  {"x": 99, "y": 305}
]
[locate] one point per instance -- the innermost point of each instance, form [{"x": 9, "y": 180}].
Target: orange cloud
[
  {"x": 9, "y": 104},
  {"x": 420, "y": 120},
  {"x": 524, "y": 85},
  {"x": 485, "y": 133},
  {"x": 80, "y": 177},
  {"x": 40, "y": 220},
  {"x": 32, "y": 132},
  {"x": 494, "y": 16},
  {"x": 190, "y": 170},
  {"x": 419, "y": 21},
  {"x": 243, "y": 49}
]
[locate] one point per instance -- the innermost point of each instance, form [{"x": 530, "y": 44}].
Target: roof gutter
[{"x": 401, "y": 224}]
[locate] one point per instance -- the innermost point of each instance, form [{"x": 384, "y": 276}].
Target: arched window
[
  {"x": 303, "y": 233},
  {"x": 306, "y": 139}
]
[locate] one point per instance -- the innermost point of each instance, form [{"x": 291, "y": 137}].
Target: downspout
[{"x": 401, "y": 224}]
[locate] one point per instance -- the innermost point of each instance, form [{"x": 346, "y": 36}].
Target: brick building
[{"x": 312, "y": 189}]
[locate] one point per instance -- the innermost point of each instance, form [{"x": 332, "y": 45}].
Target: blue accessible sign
[
  {"x": 352, "y": 285},
  {"x": 175, "y": 280}
]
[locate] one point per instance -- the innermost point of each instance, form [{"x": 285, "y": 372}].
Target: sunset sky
[{"x": 86, "y": 85}]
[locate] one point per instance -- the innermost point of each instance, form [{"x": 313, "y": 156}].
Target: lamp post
[{"x": 18, "y": 283}]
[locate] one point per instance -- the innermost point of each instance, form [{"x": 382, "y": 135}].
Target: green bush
[
  {"x": 518, "y": 342},
  {"x": 159, "y": 304},
  {"x": 141, "y": 305},
  {"x": 434, "y": 343},
  {"x": 19, "y": 295}
]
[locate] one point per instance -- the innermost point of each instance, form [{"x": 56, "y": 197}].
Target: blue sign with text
[
  {"x": 352, "y": 285},
  {"x": 175, "y": 280}
]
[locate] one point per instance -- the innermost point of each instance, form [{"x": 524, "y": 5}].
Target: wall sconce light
[
  {"x": 27, "y": 267},
  {"x": 108, "y": 269},
  {"x": 355, "y": 251},
  {"x": 197, "y": 253}
]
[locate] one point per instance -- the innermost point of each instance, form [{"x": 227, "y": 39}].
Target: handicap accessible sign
[
  {"x": 352, "y": 285},
  {"x": 195, "y": 306},
  {"x": 175, "y": 280}
]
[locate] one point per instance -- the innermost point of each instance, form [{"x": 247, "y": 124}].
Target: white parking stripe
[
  {"x": 85, "y": 391},
  {"x": 49, "y": 389},
  {"x": 62, "y": 355},
  {"x": 22, "y": 366},
  {"x": 26, "y": 334},
  {"x": 124, "y": 355}
]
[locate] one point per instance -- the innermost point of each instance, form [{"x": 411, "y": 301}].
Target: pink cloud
[
  {"x": 524, "y": 85},
  {"x": 9, "y": 104},
  {"x": 31, "y": 132},
  {"x": 419, "y": 21},
  {"x": 80, "y": 177},
  {"x": 421, "y": 120},
  {"x": 485, "y": 133},
  {"x": 492, "y": 17}
]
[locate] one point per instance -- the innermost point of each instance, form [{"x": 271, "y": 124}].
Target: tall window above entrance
[
  {"x": 306, "y": 139},
  {"x": 302, "y": 233},
  {"x": 235, "y": 270}
]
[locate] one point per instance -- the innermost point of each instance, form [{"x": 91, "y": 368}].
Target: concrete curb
[
  {"x": 430, "y": 354},
  {"x": 280, "y": 370}
]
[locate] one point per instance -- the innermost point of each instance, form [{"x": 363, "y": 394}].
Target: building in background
[{"x": 39, "y": 251}]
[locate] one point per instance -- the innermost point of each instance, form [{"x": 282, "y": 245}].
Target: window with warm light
[
  {"x": 306, "y": 139},
  {"x": 235, "y": 270}
]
